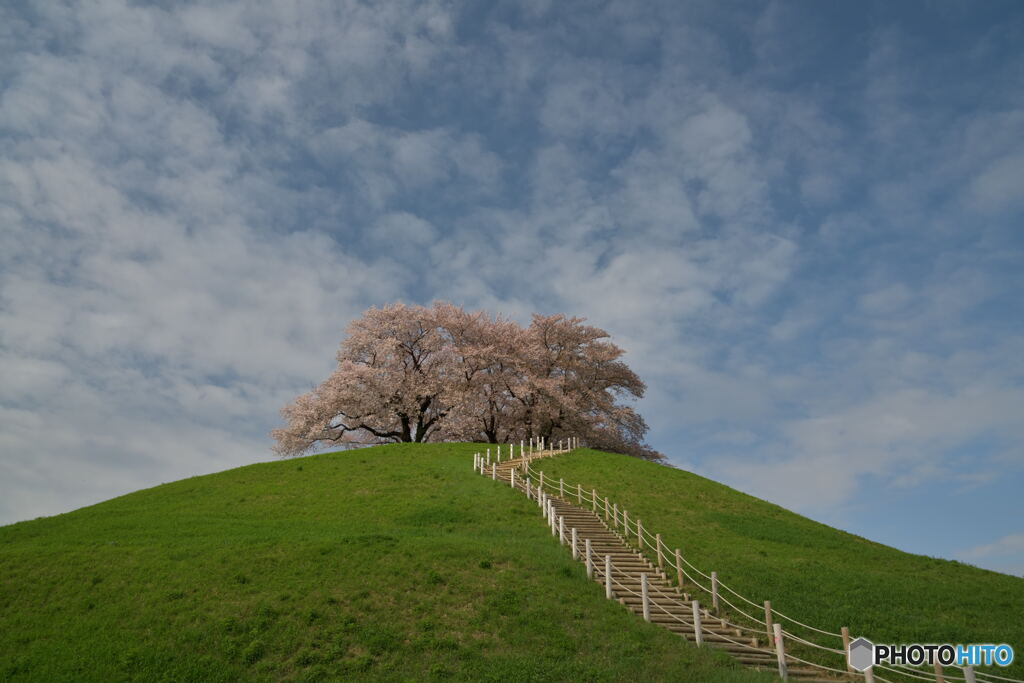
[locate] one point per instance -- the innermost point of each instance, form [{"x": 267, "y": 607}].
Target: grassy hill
[
  {"x": 400, "y": 563},
  {"x": 391, "y": 563},
  {"x": 811, "y": 572}
]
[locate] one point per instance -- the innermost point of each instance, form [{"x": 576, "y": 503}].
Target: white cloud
[
  {"x": 997, "y": 188},
  {"x": 1005, "y": 554},
  {"x": 903, "y": 438},
  {"x": 1007, "y": 545}
]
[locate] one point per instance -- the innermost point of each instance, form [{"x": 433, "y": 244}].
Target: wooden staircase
[{"x": 668, "y": 605}]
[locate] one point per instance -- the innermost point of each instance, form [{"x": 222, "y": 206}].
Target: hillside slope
[
  {"x": 819, "y": 575},
  {"x": 391, "y": 563}
]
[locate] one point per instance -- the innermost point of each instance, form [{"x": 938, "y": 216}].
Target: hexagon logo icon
[{"x": 862, "y": 654}]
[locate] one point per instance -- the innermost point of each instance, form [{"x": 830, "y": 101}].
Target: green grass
[
  {"x": 395, "y": 563},
  {"x": 811, "y": 572}
]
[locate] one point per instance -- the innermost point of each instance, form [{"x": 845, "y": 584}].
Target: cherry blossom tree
[
  {"x": 392, "y": 383},
  {"x": 486, "y": 354},
  {"x": 410, "y": 373},
  {"x": 577, "y": 382}
]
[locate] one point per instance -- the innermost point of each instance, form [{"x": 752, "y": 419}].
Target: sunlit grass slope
[
  {"x": 386, "y": 563},
  {"x": 819, "y": 575}
]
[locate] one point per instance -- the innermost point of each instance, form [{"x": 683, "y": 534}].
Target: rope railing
[
  {"x": 980, "y": 676},
  {"x": 754, "y": 619},
  {"x": 534, "y": 484},
  {"x": 908, "y": 674}
]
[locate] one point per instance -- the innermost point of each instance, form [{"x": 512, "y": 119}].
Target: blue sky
[{"x": 801, "y": 220}]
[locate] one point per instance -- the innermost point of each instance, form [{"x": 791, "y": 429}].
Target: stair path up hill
[{"x": 668, "y": 606}]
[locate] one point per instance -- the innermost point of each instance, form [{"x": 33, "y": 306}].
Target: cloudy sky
[{"x": 802, "y": 220}]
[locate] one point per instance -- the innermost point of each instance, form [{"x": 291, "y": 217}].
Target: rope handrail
[
  {"x": 726, "y": 601},
  {"x": 812, "y": 644},
  {"x": 946, "y": 675},
  {"x": 908, "y": 674},
  {"x": 726, "y": 622},
  {"x": 694, "y": 582},
  {"x": 813, "y": 628},
  {"x": 979, "y": 675},
  {"x": 738, "y": 595}
]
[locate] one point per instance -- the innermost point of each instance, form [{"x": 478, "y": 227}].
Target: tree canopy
[{"x": 413, "y": 373}]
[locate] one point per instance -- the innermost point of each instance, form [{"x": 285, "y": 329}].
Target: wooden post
[
  {"x": 529, "y": 495},
  {"x": 608, "y": 576},
  {"x": 593, "y": 500},
  {"x": 561, "y": 529},
  {"x": 625, "y": 524},
  {"x": 780, "y": 650},
  {"x": 639, "y": 534},
  {"x": 561, "y": 488},
  {"x": 768, "y": 620},
  {"x": 494, "y": 472},
  {"x": 615, "y": 515},
  {"x": 541, "y": 484},
  {"x": 512, "y": 481},
  {"x": 575, "y": 553},
  {"x": 522, "y": 448},
  {"x": 845, "y": 633},
  {"x": 590, "y": 560},
  {"x": 579, "y": 494},
  {"x": 551, "y": 516},
  {"x": 606, "y": 508},
  {"x": 938, "y": 672},
  {"x": 644, "y": 597},
  {"x": 698, "y": 636},
  {"x": 714, "y": 591},
  {"x": 869, "y": 676},
  {"x": 969, "y": 675},
  {"x": 679, "y": 567},
  {"x": 661, "y": 558},
  {"x": 499, "y": 453}
]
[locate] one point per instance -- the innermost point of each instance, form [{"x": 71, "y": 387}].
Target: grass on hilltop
[
  {"x": 811, "y": 572},
  {"x": 390, "y": 563}
]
